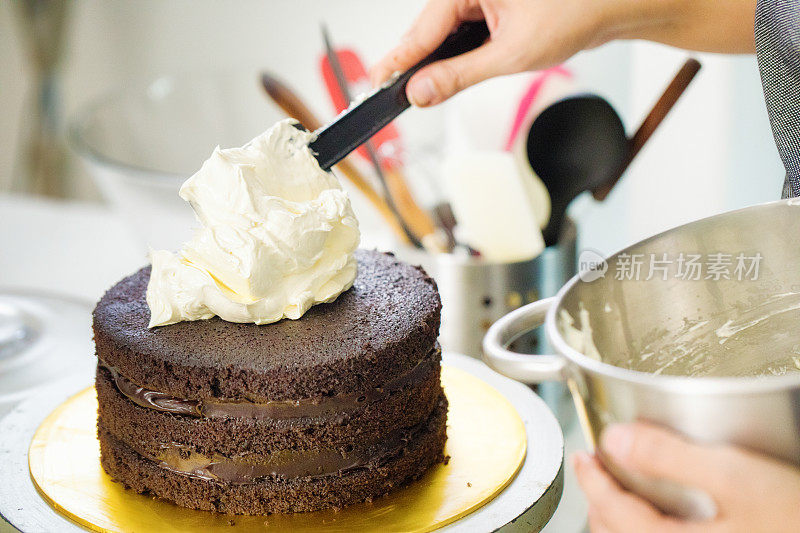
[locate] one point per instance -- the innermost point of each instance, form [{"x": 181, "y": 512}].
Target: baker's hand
[
  {"x": 752, "y": 493},
  {"x": 536, "y": 34},
  {"x": 525, "y": 35}
]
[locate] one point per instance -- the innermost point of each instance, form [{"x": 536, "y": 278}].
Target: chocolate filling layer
[
  {"x": 302, "y": 408},
  {"x": 286, "y": 464}
]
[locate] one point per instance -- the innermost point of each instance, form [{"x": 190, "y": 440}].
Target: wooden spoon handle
[
  {"x": 668, "y": 99},
  {"x": 378, "y": 202},
  {"x": 418, "y": 220},
  {"x": 653, "y": 119},
  {"x": 289, "y": 102}
]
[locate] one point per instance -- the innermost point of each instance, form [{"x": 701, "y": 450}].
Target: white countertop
[{"x": 73, "y": 248}]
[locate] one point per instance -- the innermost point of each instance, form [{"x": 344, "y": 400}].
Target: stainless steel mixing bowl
[{"x": 715, "y": 358}]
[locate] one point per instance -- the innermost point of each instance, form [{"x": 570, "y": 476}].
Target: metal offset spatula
[{"x": 350, "y": 129}]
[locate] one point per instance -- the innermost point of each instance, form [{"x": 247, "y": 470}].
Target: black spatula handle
[{"x": 357, "y": 124}]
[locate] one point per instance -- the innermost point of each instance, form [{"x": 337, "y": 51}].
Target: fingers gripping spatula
[{"x": 360, "y": 122}]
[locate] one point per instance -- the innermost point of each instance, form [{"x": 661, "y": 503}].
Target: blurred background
[{"x": 713, "y": 153}]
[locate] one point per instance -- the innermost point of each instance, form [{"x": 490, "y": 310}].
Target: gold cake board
[{"x": 486, "y": 444}]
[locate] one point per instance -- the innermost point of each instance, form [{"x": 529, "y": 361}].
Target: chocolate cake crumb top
[{"x": 383, "y": 326}]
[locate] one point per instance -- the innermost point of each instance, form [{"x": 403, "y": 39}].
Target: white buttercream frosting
[{"x": 278, "y": 235}]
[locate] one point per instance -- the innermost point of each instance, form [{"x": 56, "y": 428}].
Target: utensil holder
[{"x": 476, "y": 293}]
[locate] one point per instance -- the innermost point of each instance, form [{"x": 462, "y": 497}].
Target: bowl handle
[{"x": 528, "y": 369}]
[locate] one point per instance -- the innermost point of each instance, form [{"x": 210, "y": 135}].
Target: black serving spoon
[
  {"x": 360, "y": 122},
  {"x": 575, "y": 145},
  {"x": 579, "y": 144}
]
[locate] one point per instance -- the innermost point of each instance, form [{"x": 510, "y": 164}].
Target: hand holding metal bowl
[{"x": 700, "y": 337}]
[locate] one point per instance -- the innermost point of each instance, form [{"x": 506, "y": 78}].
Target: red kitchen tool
[
  {"x": 388, "y": 169},
  {"x": 387, "y": 141}
]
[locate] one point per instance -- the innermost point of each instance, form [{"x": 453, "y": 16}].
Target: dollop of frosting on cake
[{"x": 278, "y": 235}]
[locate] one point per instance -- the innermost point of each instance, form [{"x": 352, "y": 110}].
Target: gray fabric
[{"x": 777, "y": 30}]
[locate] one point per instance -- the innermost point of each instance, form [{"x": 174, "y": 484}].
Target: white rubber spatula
[{"x": 494, "y": 212}]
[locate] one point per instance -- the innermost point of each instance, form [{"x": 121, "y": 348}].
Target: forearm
[
  {"x": 537, "y": 34},
  {"x": 704, "y": 25}
]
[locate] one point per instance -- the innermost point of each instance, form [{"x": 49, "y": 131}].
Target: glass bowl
[{"x": 139, "y": 143}]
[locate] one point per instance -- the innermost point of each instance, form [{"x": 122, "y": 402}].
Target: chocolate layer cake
[{"x": 335, "y": 408}]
